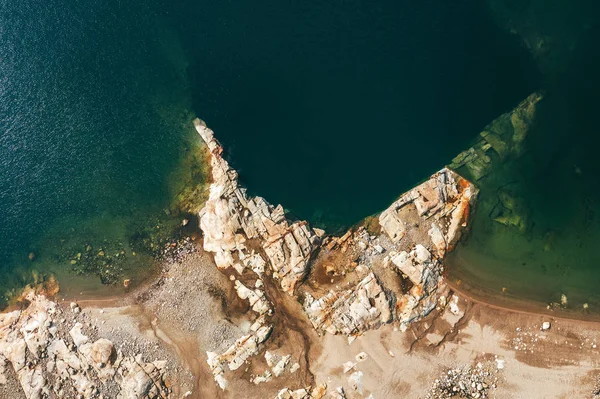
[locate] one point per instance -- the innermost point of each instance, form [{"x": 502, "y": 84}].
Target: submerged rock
[{"x": 501, "y": 140}]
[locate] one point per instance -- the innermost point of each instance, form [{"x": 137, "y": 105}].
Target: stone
[
  {"x": 350, "y": 311},
  {"x": 279, "y": 368},
  {"x": 393, "y": 226},
  {"x": 78, "y": 337},
  {"x": 25, "y": 340},
  {"x": 271, "y": 358},
  {"x": 415, "y": 263},
  {"x": 301, "y": 393},
  {"x": 355, "y": 381},
  {"x": 546, "y": 325},
  {"x": 338, "y": 393},
  {"x": 228, "y": 210},
  {"x": 98, "y": 353},
  {"x": 139, "y": 380},
  {"x": 265, "y": 377},
  {"x": 294, "y": 367},
  {"x": 349, "y": 365}
]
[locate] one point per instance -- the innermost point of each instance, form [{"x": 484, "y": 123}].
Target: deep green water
[
  {"x": 93, "y": 97},
  {"x": 331, "y": 109},
  {"x": 557, "y": 180},
  {"x": 334, "y": 108}
]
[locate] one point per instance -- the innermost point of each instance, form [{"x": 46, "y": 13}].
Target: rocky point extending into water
[
  {"x": 390, "y": 273},
  {"x": 386, "y": 270},
  {"x": 266, "y": 306}
]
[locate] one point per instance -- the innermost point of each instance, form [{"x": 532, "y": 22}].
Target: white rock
[
  {"x": 355, "y": 381},
  {"x": 351, "y": 311},
  {"x": 500, "y": 364},
  {"x": 349, "y": 365},
  {"x": 294, "y": 367},
  {"x": 338, "y": 393},
  {"x": 546, "y": 325},
  {"x": 78, "y": 337},
  {"x": 563, "y": 300},
  {"x": 279, "y": 368}
]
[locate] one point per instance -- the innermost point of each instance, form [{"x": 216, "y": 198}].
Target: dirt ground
[{"x": 192, "y": 308}]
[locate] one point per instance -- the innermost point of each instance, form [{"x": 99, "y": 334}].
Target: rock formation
[
  {"x": 416, "y": 232},
  {"x": 51, "y": 362},
  {"x": 231, "y": 219},
  {"x": 350, "y": 311},
  {"x": 248, "y": 345},
  {"x": 252, "y": 239}
]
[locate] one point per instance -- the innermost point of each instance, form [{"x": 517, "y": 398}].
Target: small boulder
[
  {"x": 546, "y": 325},
  {"x": 99, "y": 352}
]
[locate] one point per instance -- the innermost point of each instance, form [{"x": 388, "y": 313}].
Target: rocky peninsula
[{"x": 262, "y": 305}]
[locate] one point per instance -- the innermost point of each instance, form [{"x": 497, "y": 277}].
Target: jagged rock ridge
[{"x": 256, "y": 239}]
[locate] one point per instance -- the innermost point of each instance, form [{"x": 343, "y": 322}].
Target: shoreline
[
  {"x": 522, "y": 306},
  {"x": 268, "y": 307},
  {"x": 497, "y": 301}
]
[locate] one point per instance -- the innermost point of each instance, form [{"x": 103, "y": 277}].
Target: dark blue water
[{"x": 331, "y": 109}]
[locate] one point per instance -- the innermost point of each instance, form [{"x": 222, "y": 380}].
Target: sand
[{"x": 191, "y": 308}]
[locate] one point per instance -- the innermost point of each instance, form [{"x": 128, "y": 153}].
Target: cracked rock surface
[
  {"x": 347, "y": 285},
  {"x": 51, "y": 358}
]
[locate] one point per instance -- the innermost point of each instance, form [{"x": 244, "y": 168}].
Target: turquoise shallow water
[
  {"x": 557, "y": 182},
  {"x": 92, "y": 106}
]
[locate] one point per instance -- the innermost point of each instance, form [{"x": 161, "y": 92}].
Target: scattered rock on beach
[{"x": 546, "y": 325}]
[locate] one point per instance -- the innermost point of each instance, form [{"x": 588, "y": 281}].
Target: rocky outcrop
[
  {"x": 252, "y": 237},
  {"x": 248, "y": 345},
  {"x": 303, "y": 393},
  {"x": 416, "y": 232},
  {"x": 424, "y": 271},
  {"x": 51, "y": 362},
  {"x": 256, "y": 239},
  {"x": 278, "y": 365},
  {"x": 350, "y": 311},
  {"x": 231, "y": 218}
]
